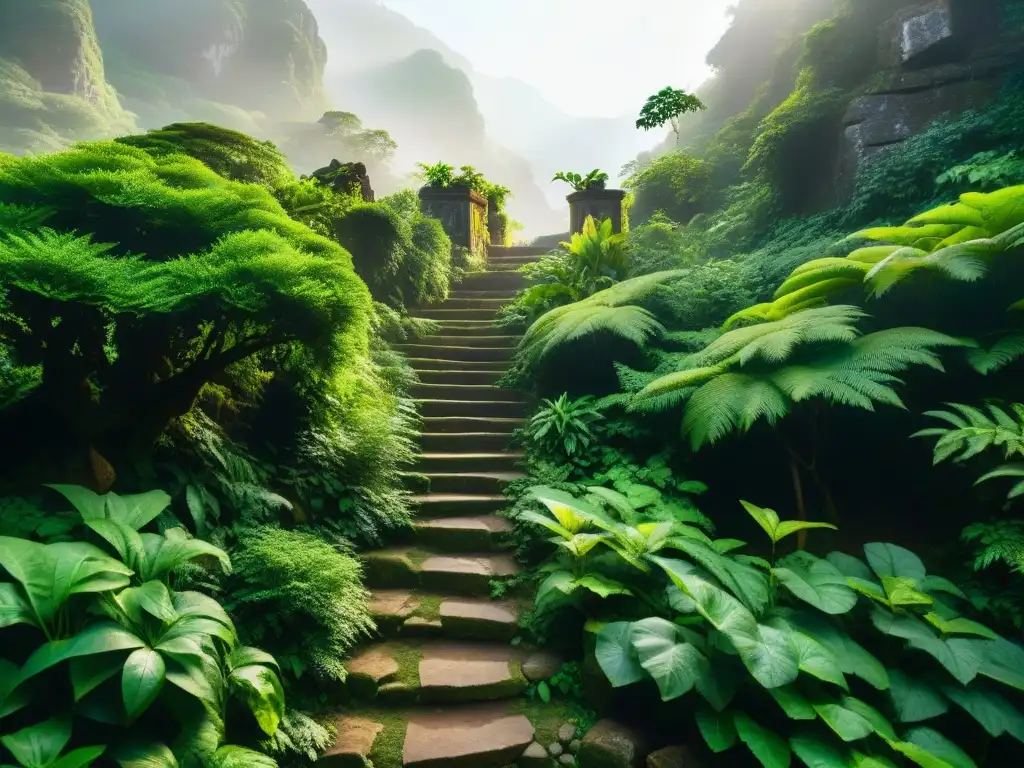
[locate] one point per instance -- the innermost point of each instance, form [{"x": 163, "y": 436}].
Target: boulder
[
  {"x": 555, "y": 749},
  {"x": 567, "y": 760},
  {"x": 541, "y": 665},
  {"x": 611, "y": 744},
  {"x": 567, "y": 733},
  {"x": 673, "y": 757},
  {"x": 920, "y": 35},
  {"x": 353, "y": 744},
  {"x": 346, "y": 177}
]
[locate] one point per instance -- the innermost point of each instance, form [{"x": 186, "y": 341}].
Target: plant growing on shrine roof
[
  {"x": 667, "y": 106},
  {"x": 596, "y": 179}
]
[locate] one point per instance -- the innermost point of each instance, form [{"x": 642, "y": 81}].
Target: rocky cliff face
[
  {"x": 935, "y": 58},
  {"x": 261, "y": 56}
]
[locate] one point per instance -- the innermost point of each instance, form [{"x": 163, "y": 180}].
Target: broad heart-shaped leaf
[
  {"x": 142, "y": 680},
  {"x": 240, "y": 757},
  {"x": 939, "y": 584},
  {"x": 815, "y": 753},
  {"x": 768, "y": 519},
  {"x": 615, "y": 655},
  {"x": 38, "y": 745},
  {"x": 769, "y": 748},
  {"x": 882, "y": 726},
  {"x": 745, "y": 583},
  {"x": 14, "y": 607},
  {"x": 152, "y": 598},
  {"x": 852, "y": 658},
  {"x": 261, "y": 689},
  {"x": 1003, "y": 662},
  {"x": 717, "y": 728},
  {"x": 80, "y": 758},
  {"x": 814, "y": 658},
  {"x": 102, "y": 637},
  {"x": 145, "y": 756},
  {"x": 165, "y": 553},
  {"x": 789, "y": 527},
  {"x": 962, "y": 658},
  {"x": 554, "y": 587},
  {"x": 891, "y": 560},
  {"x": 764, "y": 651},
  {"x": 674, "y": 664},
  {"x": 848, "y": 725},
  {"x": 901, "y": 625},
  {"x": 914, "y": 700},
  {"x": 994, "y": 713},
  {"x": 793, "y": 703},
  {"x": 930, "y": 749},
  {"x": 89, "y": 672},
  {"x": 601, "y": 586},
  {"x": 720, "y": 680},
  {"x": 850, "y": 566},
  {"x": 817, "y": 582},
  {"x": 50, "y": 573},
  {"x": 902, "y": 592}
]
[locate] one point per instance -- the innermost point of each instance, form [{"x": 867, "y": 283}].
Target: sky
[{"x": 623, "y": 51}]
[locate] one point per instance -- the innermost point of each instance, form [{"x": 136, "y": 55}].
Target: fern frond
[
  {"x": 973, "y": 431},
  {"x": 731, "y": 402},
  {"x": 1008, "y": 349},
  {"x": 820, "y": 270},
  {"x": 1001, "y": 541}
]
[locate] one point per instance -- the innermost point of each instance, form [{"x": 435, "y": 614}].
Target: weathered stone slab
[
  {"x": 469, "y": 672},
  {"x": 465, "y": 739},
  {"x": 353, "y": 744},
  {"x": 541, "y": 665},
  {"x": 611, "y": 744},
  {"x": 478, "y": 619},
  {"x": 466, "y": 575},
  {"x": 920, "y": 33}
]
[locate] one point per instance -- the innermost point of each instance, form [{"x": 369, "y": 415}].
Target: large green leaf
[
  {"x": 814, "y": 658},
  {"x": 199, "y": 627},
  {"x": 994, "y": 713},
  {"x": 601, "y": 586},
  {"x": 674, "y": 664},
  {"x": 175, "y": 548},
  {"x": 850, "y": 566},
  {"x": 1003, "y": 661},
  {"x": 815, "y": 753},
  {"x": 200, "y": 605},
  {"x": 142, "y": 680},
  {"x": 137, "y": 510},
  {"x": 12, "y": 698},
  {"x": 817, "y": 582},
  {"x": 768, "y": 519},
  {"x": 201, "y": 677},
  {"x": 89, "y": 672},
  {"x": 747, "y": 584},
  {"x": 38, "y": 745},
  {"x": 720, "y": 680},
  {"x": 261, "y": 689},
  {"x": 764, "y": 651},
  {"x": 789, "y": 527},
  {"x": 79, "y": 758},
  {"x": 894, "y": 561},
  {"x": 717, "y": 728},
  {"x": 152, "y": 597},
  {"x": 793, "y": 703},
  {"x": 125, "y": 540},
  {"x": 901, "y": 625},
  {"x": 914, "y": 700},
  {"x": 959, "y": 626},
  {"x": 614, "y": 652},
  {"x": 859, "y": 760},
  {"x": 103, "y": 637},
  {"x": 961, "y": 657},
  {"x": 768, "y": 747},
  {"x": 852, "y": 658},
  {"x": 244, "y": 655},
  {"x": 14, "y": 608},
  {"x": 848, "y": 725},
  {"x": 881, "y": 726},
  {"x": 930, "y": 749},
  {"x": 51, "y": 573}
]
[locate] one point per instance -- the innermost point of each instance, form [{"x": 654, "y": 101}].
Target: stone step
[
  {"x": 448, "y": 462},
  {"x": 430, "y": 364},
  {"x": 484, "y": 483},
  {"x": 433, "y": 505},
  {"x": 482, "y": 533},
  {"x": 477, "y": 340},
  {"x": 477, "y": 736},
  {"x": 459, "y": 377},
  {"x": 493, "y": 281},
  {"x": 474, "y": 302},
  {"x": 440, "y": 313},
  {"x": 402, "y": 612},
  {"x": 409, "y": 568},
  {"x": 466, "y": 354},
  {"x": 464, "y": 392},
  {"x": 481, "y": 409},
  {"x": 502, "y": 251},
  {"x": 510, "y": 264},
  {"x": 454, "y": 671},
  {"x": 450, "y": 424},
  {"x": 459, "y": 293},
  {"x": 446, "y": 442}
]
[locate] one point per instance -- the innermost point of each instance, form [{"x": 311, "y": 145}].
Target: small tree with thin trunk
[{"x": 667, "y": 106}]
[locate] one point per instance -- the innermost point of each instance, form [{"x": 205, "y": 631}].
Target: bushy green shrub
[
  {"x": 301, "y": 597},
  {"x": 679, "y": 184}
]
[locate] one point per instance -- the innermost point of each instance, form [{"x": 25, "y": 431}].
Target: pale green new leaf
[
  {"x": 960, "y": 626},
  {"x": 602, "y": 586},
  {"x": 768, "y": 519},
  {"x": 261, "y": 689},
  {"x": 789, "y": 527}
]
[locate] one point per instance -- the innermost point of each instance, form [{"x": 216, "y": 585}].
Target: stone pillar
[
  {"x": 497, "y": 225},
  {"x": 462, "y": 212},
  {"x": 600, "y": 203}
]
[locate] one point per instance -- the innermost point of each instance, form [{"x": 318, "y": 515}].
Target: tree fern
[
  {"x": 761, "y": 371},
  {"x": 1005, "y": 351},
  {"x": 612, "y": 310},
  {"x": 999, "y": 541}
]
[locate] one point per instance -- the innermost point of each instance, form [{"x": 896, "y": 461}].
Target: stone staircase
[{"x": 440, "y": 688}]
